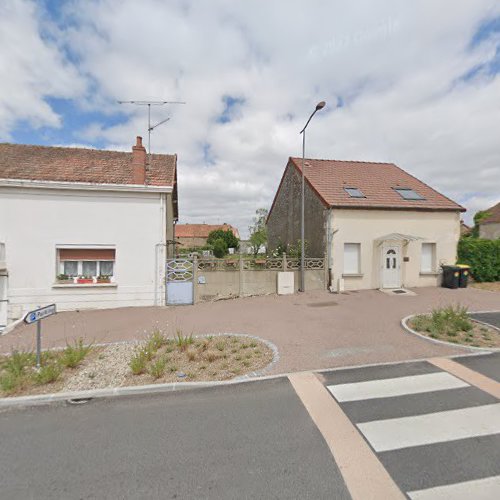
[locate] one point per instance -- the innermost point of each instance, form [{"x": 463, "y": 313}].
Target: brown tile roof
[
  {"x": 493, "y": 215},
  {"x": 201, "y": 230},
  {"x": 48, "y": 163},
  {"x": 375, "y": 180}
]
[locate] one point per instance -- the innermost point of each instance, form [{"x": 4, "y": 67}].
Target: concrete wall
[
  {"x": 283, "y": 225},
  {"x": 365, "y": 226},
  {"x": 218, "y": 284},
  {"x": 34, "y": 222},
  {"x": 489, "y": 231}
]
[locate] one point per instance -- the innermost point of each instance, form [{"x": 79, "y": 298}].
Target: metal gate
[{"x": 179, "y": 275}]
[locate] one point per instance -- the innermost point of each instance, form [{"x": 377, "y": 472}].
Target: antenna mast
[{"x": 151, "y": 128}]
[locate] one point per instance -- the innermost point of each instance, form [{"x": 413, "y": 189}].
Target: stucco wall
[
  {"x": 490, "y": 231},
  {"x": 34, "y": 222},
  {"x": 365, "y": 226},
  {"x": 283, "y": 225}
]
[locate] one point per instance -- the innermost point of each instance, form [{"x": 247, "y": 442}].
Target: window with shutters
[
  {"x": 352, "y": 258},
  {"x": 428, "y": 258},
  {"x": 86, "y": 265}
]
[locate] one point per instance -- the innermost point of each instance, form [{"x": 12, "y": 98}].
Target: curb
[
  {"x": 484, "y": 350},
  {"x": 76, "y": 396}
]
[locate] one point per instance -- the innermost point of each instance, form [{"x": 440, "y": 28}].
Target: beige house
[
  {"x": 489, "y": 227},
  {"x": 378, "y": 226}
]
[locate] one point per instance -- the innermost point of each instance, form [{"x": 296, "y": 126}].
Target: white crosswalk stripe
[
  {"x": 480, "y": 489},
  {"x": 395, "y": 433},
  {"x": 399, "y": 386}
]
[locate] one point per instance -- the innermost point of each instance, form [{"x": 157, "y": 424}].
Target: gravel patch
[{"x": 108, "y": 369}]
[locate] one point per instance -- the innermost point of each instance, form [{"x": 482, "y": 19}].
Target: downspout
[
  {"x": 158, "y": 251},
  {"x": 329, "y": 237}
]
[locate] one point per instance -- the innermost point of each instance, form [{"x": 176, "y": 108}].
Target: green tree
[
  {"x": 478, "y": 217},
  {"x": 226, "y": 235},
  {"x": 220, "y": 248},
  {"x": 258, "y": 230}
]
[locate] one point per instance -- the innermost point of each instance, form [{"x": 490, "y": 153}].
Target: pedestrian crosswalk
[{"x": 437, "y": 436}]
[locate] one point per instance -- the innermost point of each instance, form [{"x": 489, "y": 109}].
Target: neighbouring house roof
[
  {"x": 49, "y": 163},
  {"x": 493, "y": 215},
  {"x": 376, "y": 181},
  {"x": 464, "y": 228},
  {"x": 201, "y": 230}
]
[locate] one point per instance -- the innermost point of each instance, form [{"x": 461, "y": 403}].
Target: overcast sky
[{"x": 414, "y": 83}]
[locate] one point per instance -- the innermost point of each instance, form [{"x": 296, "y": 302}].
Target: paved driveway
[{"x": 311, "y": 330}]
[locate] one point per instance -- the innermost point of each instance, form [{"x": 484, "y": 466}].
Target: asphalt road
[
  {"x": 492, "y": 318},
  {"x": 253, "y": 440}
]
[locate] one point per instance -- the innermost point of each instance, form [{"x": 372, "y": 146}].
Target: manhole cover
[{"x": 322, "y": 304}]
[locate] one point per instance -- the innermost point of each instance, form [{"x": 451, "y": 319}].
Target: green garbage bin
[
  {"x": 464, "y": 275},
  {"x": 451, "y": 277}
]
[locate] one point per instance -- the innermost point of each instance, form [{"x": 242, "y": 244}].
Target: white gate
[{"x": 179, "y": 276}]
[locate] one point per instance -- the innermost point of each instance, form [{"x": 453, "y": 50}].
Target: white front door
[
  {"x": 391, "y": 266},
  {"x": 3, "y": 302}
]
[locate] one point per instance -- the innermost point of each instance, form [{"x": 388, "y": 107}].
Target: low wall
[{"x": 219, "y": 278}]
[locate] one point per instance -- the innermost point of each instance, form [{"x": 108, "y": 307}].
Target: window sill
[
  {"x": 84, "y": 285},
  {"x": 429, "y": 273},
  {"x": 352, "y": 275}
]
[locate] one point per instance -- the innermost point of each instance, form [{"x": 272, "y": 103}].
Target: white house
[
  {"x": 378, "y": 226},
  {"x": 84, "y": 228}
]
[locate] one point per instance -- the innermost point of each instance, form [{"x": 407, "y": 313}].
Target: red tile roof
[
  {"x": 201, "y": 230},
  {"x": 493, "y": 215},
  {"x": 329, "y": 178},
  {"x": 48, "y": 163}
]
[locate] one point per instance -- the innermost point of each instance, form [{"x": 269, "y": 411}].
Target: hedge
[{"x": 483, "y": 256}]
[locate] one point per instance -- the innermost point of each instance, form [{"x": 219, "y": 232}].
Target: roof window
[
  {"x": 355, "y": 193},
  {"x": 408, "y": 194}
]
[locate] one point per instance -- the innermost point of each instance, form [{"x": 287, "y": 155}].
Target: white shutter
[
  {"x": 351, "y": 258},
  {"x": 427, "y": 261}
]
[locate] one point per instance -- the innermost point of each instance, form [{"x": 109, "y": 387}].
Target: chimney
[{"x": 139, "y": 162}]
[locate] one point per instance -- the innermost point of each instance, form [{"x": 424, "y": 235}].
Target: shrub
[
  {"x": 156, "y": 340},
  {"x": 183, "y": 341},
  {"x": 220, "y": 248},
  {"x": 138, "y": 362},
  {"x": 227, "y": 237},
  {"x": 74, "y": 354},
  {"x": 47, "y": 374},
  {"x": 157, "y": 369},
  {"x": 447, "y": 320},
  {"x": 18, "y": 361},
  {"x": 9, "y": 382},
  {"x": 483, "y": 256}
]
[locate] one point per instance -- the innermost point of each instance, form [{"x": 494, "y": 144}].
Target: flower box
[{"x": 82, "y": 281}]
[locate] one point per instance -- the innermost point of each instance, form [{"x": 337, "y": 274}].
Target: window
[
  {"x": 408, "y": 194},
  {"x": 355, "y": 193},
  {"x": 428, "y": 258},
  {"x": 86, "y": 262},
  {"x": 352, "y": 258}
]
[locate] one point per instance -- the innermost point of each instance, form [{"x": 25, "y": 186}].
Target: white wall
[
  {"x": 365, "y": 226},
  {"x": 33, "y": 222}
]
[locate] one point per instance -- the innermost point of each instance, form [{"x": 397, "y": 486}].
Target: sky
[{"x": 413, "y": 83}]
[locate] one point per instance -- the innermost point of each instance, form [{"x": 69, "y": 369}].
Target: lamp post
[{"x": 302, "y": 288}]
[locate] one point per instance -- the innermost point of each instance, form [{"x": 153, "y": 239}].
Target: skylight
[
  {"x": 355, "y": 193},
  {"x": 408, "y": 194}
]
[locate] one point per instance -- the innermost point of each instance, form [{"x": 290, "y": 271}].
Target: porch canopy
[{"x": 406, "y": 238}]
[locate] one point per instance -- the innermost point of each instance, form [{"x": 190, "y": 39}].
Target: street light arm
[{"x": 307, "y": 123}]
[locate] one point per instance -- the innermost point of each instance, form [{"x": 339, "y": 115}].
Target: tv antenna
[{"x": 149, "y": 104}]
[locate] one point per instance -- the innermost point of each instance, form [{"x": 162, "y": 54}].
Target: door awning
[{"x": 398, "y": 237}]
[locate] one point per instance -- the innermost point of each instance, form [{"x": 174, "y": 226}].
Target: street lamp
[{"x": 302, "y": 288}]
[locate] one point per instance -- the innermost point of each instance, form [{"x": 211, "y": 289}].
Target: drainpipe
[
  {"x": 329, "y": 239},
  {"x": 159, "y": 266}
]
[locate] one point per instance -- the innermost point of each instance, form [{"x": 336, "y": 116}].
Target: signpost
[{"x": 36, "y": 316}]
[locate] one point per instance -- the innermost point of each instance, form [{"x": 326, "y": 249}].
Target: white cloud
[
  {"x": 32, "y": 68},
  {"x": 396, "y": 66}
]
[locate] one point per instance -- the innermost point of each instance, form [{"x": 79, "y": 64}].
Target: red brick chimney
[{"x": 139, "y": 162}]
